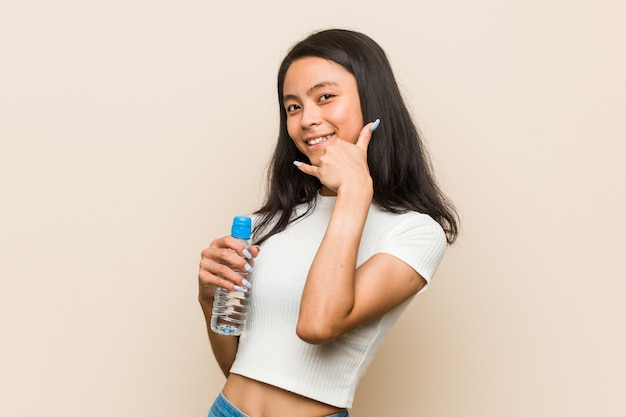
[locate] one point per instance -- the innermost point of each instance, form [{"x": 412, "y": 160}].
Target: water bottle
[{"x": 230, "y": 307}]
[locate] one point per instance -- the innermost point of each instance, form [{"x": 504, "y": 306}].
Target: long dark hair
[{"x": 398, "y": 161}]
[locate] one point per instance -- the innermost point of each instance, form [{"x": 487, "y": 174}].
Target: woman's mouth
[{"x": 318, "y": 140}]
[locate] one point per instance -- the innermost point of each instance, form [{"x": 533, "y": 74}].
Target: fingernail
[
  {"x": 240, "y": 289},
  {"x": 375, "y": 125},
  {"x": 247, "y": 254},
  {"x": 258, "y": 247},
  {"x": 246, "y": 283},
  {"x": 248, "y": 268},
  {"x": 297, "y": 163}
]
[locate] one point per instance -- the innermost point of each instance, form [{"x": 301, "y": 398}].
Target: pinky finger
[{"x": 306, "y": 168}]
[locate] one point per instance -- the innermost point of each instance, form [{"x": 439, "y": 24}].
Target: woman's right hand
[{"x": 221, "y": 265}]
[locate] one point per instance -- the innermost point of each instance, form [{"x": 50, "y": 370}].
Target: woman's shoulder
[
  {"x": 409, "y": 227},
  {"x": 413, "y": 237},
  {"x": 408, "y": 219}
]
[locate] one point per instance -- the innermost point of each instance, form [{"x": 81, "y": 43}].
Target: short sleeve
[{"x": 419, "y": 241}]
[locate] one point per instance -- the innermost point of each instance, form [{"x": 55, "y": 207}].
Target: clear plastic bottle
[{"x": 231, "y": 307}]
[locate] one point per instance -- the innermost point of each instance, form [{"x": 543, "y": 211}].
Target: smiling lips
[{"x": 318, "y": 140}]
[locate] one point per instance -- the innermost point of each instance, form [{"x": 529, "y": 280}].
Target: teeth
[{"x": 317, "y": 140}]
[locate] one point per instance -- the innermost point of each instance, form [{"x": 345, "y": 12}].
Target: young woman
[{"x": 352, "y": 228}]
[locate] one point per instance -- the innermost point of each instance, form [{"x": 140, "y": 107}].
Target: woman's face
[{"x": 322, "y": 104}]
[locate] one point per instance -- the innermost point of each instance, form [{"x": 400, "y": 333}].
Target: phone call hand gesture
[{"x": 344, "y": 164}]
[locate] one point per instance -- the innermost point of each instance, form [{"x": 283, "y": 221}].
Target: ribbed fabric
[{"x": 269, "y": 349}]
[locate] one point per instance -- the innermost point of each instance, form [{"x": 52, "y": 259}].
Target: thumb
[{"x": 366, "y": 134}]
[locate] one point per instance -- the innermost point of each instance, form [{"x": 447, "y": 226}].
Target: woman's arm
[
  {"x": 337, "y": 296},
  {"x": 224, "y": 347},
  {"x": 216, "y": 270}
]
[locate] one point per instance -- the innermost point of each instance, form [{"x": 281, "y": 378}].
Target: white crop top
[{"x": 269, "y": 349}]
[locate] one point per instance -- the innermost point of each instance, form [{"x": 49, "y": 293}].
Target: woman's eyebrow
[
  {"x": 310, "y": 91},
  {"x": 320, "y": 85}
]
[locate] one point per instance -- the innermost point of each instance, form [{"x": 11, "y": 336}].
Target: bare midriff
[{"x": 257, "y": 399}]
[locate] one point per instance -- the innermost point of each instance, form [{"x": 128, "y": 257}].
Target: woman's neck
[{"x": 325, "y": 191}]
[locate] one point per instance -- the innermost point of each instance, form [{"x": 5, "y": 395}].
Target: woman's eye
[
  {"x": 325, "y": 97},
  {"x": 292, "y": 107}
]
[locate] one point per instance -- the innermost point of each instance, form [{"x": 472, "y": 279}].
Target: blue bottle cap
[{"x": 242, "y": 227}]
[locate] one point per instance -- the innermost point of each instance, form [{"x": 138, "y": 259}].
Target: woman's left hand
[{"x": 344, "y": 164}]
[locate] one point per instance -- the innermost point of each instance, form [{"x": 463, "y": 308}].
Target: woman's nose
[{"x": 310, "y": 116}]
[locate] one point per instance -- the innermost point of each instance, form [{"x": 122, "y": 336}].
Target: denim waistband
[{"x": 224, "y": 408}]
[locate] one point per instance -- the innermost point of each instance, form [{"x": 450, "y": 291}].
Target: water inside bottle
[{"x": 229, "y": 312}]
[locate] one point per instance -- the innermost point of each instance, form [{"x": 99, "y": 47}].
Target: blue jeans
[{"x": 223, "y": 408}]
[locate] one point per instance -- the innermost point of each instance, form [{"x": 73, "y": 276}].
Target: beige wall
[{"x": 132, "y": 131}]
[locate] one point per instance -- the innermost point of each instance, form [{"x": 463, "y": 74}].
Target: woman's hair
[{"x": 398, "y": 161}]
